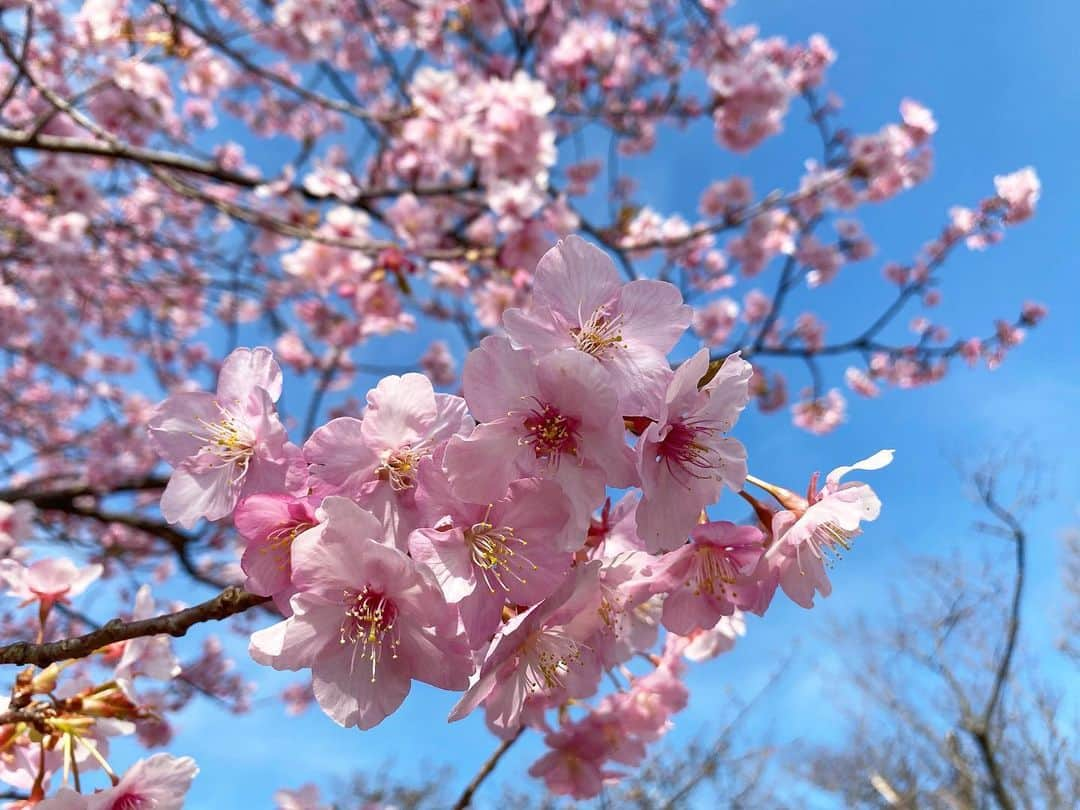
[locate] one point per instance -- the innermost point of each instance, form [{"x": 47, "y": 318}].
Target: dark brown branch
[
  {"x": 980, "y": 728},
  {"x": 229, "y": 602},
  {"x": 68, "y": 501},
  {"x": 1019, "y": 537},
  {"x": 466, "y": 797},
  {"x": 118, "y": 150},
  {"x": 43, "y": 497}
]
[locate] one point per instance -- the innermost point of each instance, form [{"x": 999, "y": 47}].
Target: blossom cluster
[{"x": 471, "y": 543}]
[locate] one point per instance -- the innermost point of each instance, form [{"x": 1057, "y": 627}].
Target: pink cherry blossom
[
  {"x": 822, "y": 414},
  {"x": 683, "y": 458},
  {"x": 160, "y": 782},
  {"x": 806, "y": 536},
  {"x": 438, "y": 363},
  {"x": 554, "y": 418},
  {"x": 64, "y": 799},
  {"x": 515, "y": 549},
  {"x": 149, "y": 656},
  {"x": 713, "y": 323},
  {"x": 756, "y": 306},
  {"x": 269, "y": 523},
  {"x": 579, "y": 302},
  {"x": 366, "y": 620},
  {"x": 711, "y": 576},
  {"x": 1020, "y": 191},
  {"x": 627, "y": 589},
  {"x": 47, "y": 581},
  {"x": 575, "y": 764},
  {"x": 373, "y": 460},
  {"x": 720, "y": 638},
  {"x": 861, "y": 383},
  {"x": 18, "y": 763},
  {"x": 918, "y": 120},
  {"x": 645, "y": 710},
  {"x": 539, "y": 652},
  {"x": 225, "y": 445},
  {"x": 1031, "y": 314},
  {"x": 615, "y": 529},
  {"x": 725, "y": 197},
  {"x": 16, "y": 525},
  {"x": 305, "y": 797}
]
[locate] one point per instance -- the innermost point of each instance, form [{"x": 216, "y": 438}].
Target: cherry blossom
[
  {"x": 269, "y": 522},
  {"x": 684, "y": 458},
  {"x": 539, "y": 651},
  {"x": 1020, "y": 191},
  {"x": 149, "y": 656},
  {"x": 47, "y": 581},
  {"x": 366, "y": 620},
  {"x": 374, "y": 459},
  {"x": 821, "y": 414},
  {"x": 578, "y": 302},
  {"x": 719, "y": 639},
  {"x": 555, "y": 418},
  {"x": 305, "y": 797},
  {"x": 222, "y": 445},
  {"x": 809, "y": 533},
  {"x": 711, "y": 576},
  {"x": 16, "y": 525},
  {"x": 514, "y": 549},
  {"x": 575, "y": 764}
]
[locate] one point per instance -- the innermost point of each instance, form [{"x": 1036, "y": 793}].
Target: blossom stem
[
  {"x": 785, "y": 497},
  {"x": 765, "y": 485}
]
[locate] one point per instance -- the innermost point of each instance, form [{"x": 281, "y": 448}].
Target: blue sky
[{"x": 1002, "y": 80}]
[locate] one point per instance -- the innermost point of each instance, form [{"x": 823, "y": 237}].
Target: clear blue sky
[{"x": 1002, "y": 80}]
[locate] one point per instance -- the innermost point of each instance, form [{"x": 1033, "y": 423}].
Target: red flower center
[{"x": 549, "y": 432}]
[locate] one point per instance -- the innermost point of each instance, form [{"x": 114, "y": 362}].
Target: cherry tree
[{"x": 221, "y": 220}]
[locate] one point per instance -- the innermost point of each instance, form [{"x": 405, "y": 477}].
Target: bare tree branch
[
  {"x": 466, "y": 797},
  {"x": 229, "y": 602}
]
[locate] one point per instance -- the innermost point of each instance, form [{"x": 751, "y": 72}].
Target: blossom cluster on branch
[
  {"x": 454, "y": 540},
  {"x": 184, "y": 177}
]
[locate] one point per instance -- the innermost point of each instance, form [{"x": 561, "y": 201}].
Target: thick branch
[
  {"x": 39, "y": 493},
  {"x": 229, "y": 602}
]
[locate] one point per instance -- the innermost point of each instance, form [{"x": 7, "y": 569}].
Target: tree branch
[
  {"x": 229, "y": 602},
  {"x": 980, "y": 728},
  {"x": 465, "y": 799}
]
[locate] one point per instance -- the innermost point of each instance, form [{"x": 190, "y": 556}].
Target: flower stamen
[
  {"x": 399, "y": 467},
  {"x": 227, "y": 442},
  {"x": 549, "y": 432},
  {"x": 599, "y": 335},
  {"x": 549, "y": 655},
  {"x": 368, "y": 623},
  {"x": 491, "y": 550}
]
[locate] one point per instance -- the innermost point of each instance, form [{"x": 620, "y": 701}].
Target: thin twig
[
  {"x": 980, "y": 728},
  {"x": 465, "y": 799}
]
